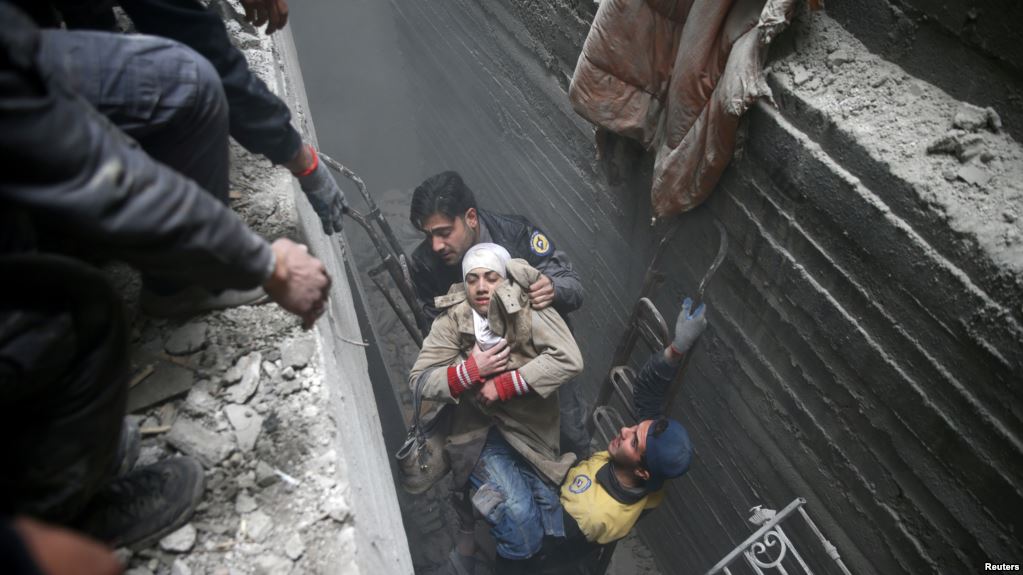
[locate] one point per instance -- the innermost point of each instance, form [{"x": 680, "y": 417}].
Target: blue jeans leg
[{"x": 517, "y": 503}]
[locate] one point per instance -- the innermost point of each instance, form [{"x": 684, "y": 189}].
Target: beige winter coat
[{"x": 542, "y": 349}]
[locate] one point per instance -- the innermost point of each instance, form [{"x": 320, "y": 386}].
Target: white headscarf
[{"x": 489, "y": 257}]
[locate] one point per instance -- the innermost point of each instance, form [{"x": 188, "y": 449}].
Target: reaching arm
[{"x": 660, "y": 370}]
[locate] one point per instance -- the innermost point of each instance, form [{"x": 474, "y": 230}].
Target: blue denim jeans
[{"x": 517, "y": 502}]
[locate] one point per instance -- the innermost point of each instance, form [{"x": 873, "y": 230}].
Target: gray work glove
[
  {"x": 326, "y": 197},
  {"x": 688, "y": 327}
]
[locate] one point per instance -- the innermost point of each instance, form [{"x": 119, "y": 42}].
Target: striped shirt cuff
[
  {"x": 511, "y": 384},
  {"x": 463, "y": 377}
]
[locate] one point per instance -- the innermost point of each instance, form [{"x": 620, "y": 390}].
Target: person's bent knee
[
  {"x": 191, "y": 93},
  {"x": 210, "y": 95}
]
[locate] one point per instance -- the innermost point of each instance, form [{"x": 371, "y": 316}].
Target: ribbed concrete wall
[{"x": 861, "y": 354}]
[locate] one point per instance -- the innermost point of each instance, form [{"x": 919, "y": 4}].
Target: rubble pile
[{"x": 243, "y": 392}]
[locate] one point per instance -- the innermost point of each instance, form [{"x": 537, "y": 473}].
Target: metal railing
[{"x": 766, "y": 550}]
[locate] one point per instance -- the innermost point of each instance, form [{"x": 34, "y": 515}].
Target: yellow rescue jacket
[{"x": 601, "y": 518}]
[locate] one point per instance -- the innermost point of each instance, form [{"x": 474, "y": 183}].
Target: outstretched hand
[
  {"x": 688, "y": 327},
  {"x": 325, "y": 196},
  {"x": 299, "y": 283}
]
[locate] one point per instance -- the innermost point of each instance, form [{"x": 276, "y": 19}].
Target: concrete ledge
[{"x": 381, "y": 545}]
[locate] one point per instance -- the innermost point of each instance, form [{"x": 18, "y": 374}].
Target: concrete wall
[{"x": 379, "y": 541}]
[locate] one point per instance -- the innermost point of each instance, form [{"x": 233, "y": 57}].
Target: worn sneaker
[
  {"x": 145, "y": 505},
  {"x": 194, "y": 300},
  {"x": 127, "y": 448}
]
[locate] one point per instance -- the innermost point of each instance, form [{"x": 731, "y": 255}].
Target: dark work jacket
[
  {"x": 432, "y": 277},
  {"x": 70, "y": 173}
]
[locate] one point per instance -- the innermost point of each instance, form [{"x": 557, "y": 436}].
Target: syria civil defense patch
[
  {"x": 580, "y": 483},
  {"x": 539, "y": 243}
]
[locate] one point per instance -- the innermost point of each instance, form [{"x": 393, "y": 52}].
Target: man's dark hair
[{"x": 445, "y": 194}]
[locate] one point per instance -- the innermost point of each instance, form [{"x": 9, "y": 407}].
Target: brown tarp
[{"x": 676, "y": 75}]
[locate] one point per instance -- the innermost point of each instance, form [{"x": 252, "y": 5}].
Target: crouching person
[
  {"x": 501, "y": 362},
  {"x": 605, "y": 495}
]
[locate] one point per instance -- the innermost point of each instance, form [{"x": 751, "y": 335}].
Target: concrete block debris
[
  {"x": 192, "y": 438},
  {"x": 974, "y": 118},
  {"x": 167, "y": 381},
  {"x": 297, "y": 352},
  {"x": 180, "y": 541},
  {"x": 247, "y": 371},
  {"x": 247, "y": 425},
  {"x": 187, "y": 339}
]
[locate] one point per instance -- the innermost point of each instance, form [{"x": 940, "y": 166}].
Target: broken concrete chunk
[
  {"x": 245, "y": 503},
  {"x": 800, "y": 75},
  {"x": 249, "y": 367},
  {"x": 187, "y": 339},
  {"x": 258, "y": 525},
  {"x": 179, "y": 567},
  {"x": 974, "y": 175},
  {"x": 841, "y": 56},
  {"x": 265, "y": 475},
  {"x": 199, "y": 402},
  {"x": 167, "y": 381},
  {"x": 974, "y": 118},
  {"x": 246, "y": 480},
  {"x": 247, "y": 425},
  {"x": 962, "y": 145},
  {"x": 337, "y": 509},
  {"x": 270, "y": 369},
  {"x": 271, "y": 565},
  {"x": 298, "y": 352},
  {"x": 289, "y": 387},
  {"x": 181, "y": 541},
  {"x": 294, "y": 548},
  {"x": 191, "y": 438}
]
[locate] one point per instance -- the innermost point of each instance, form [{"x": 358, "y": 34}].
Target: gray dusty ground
[{"x": 250, "y": 404}]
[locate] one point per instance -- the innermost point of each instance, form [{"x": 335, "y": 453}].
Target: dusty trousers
[
  {"x": 164, "y": 95},
  {"x": 63, "y": 384},
  {"x": 259, "y": 120}
]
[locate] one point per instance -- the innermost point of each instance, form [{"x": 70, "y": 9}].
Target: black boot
[{"x": 148, "y": 503}]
